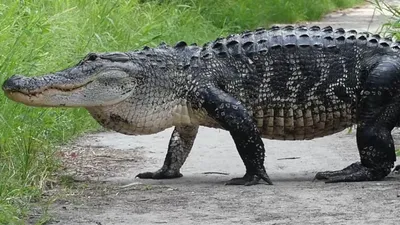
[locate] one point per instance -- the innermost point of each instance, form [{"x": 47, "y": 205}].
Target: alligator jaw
[
  {"x": 39, "y": 98},
  {"x": 73, "y": 87}
]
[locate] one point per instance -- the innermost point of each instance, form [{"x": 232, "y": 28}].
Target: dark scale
[
  {"x": 295, "y": 87},
  {"x": 302, "y": 83},
  {"x": 286, "y": 83}
]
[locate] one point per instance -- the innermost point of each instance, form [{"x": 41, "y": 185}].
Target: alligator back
[{"x": 298, "y": 82}]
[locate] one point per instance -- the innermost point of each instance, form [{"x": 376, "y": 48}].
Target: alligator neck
[{"x": 160, "y": 102}]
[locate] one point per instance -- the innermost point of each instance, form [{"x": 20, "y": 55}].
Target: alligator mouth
[
  {"x": 40, "y": 97},
  {"x": 70, "y": 88},
  {"x": 63, "y": 88}
]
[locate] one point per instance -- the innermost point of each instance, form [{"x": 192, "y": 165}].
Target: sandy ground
[{"x": 104, "y": 190}]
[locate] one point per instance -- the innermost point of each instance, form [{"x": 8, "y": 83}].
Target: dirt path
[{"x": 113, "y": 196}]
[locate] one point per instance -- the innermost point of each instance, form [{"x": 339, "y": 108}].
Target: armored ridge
[{"x": 289, "y": 83}]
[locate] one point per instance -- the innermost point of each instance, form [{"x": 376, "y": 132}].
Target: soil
[{"x": 99, "y": 173}]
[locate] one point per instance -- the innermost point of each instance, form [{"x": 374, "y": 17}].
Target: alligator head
[
  {"x": 122, "y": 91},
  {"x": 98, "y": 80}
]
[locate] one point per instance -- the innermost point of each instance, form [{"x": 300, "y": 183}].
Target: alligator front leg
[
  {"x": 233, "y": 117},
  {"x": 378, "y": 112},
  {"x": 179, "y": 147}
]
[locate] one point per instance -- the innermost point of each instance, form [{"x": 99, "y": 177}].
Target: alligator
[{"x": 284, "y": 83}]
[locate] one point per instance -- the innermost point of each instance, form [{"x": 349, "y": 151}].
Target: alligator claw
[
  {"x": 353, "y": 173},
  {"x": 248, "y": 180},
  {"x": 160, "y": 174}
]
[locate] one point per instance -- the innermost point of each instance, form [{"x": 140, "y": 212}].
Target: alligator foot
[
  {"x": 249, "y": 179},
  {"x": 353, "y": 173},
  {"x": 160, "y": 174}
]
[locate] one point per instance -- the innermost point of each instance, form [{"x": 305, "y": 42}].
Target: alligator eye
[
  {"x": 91, "y": 57},
  {"x": 88, "y": 57}
]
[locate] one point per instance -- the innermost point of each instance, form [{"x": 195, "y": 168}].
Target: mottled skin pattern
[{"x": 289, "y": 83}]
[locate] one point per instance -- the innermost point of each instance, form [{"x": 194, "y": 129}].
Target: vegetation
[
  {"x": 264, "y": 12},
  {"x": 39, "y": 36},
  {"x": 391, "y": 27}
]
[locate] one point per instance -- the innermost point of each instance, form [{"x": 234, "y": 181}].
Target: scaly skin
[{"x": 290, "y": 83}]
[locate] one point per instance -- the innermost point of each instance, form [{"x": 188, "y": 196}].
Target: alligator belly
[{"x": 303, "y": 123}]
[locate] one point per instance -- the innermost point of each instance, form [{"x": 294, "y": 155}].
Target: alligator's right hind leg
[
  {"x": 179, "y": 147},
  {"x": 378, "y": 113}
]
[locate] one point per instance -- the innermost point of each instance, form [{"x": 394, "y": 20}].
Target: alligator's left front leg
[
  {"x": 378, "y": 112},
  {"x": 233, "y": 117},
  {"x": 179, "y": 147}
]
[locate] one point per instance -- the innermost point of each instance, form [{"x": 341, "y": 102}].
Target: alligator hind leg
[
  {"x": 233, "y": 117},
  {"x": 179, "y": 147},
  {"x": 377, "y": 158},
  {"x": 377, "y": 114}
]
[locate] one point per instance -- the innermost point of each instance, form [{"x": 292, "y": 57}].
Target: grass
[
  {"x": 39, "y": 36},
  {"x": 261, "y": 13},
  {"x": 391, "y": 27}
]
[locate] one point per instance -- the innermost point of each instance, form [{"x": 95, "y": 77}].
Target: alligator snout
[{"x": 15, "y": 83}]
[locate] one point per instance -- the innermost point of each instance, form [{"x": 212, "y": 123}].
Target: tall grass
[
  {"x": 40, "y": 36},
  {"x": 261, "y": 13},
  {"x": 392, "y": 26}
]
